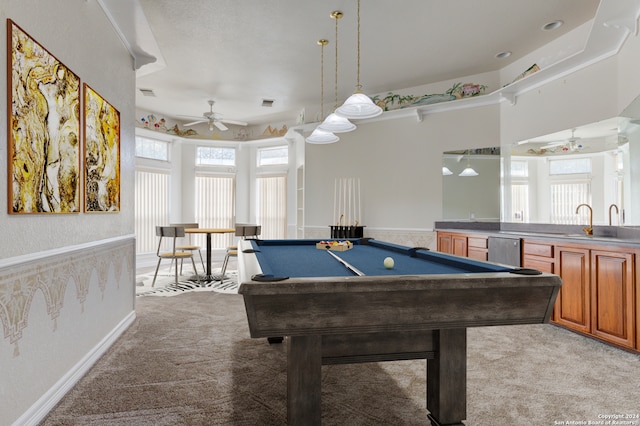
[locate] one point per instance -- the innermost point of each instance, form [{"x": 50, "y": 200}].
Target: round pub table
[{"x": 209, "y": 231}]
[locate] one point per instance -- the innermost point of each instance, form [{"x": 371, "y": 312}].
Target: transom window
[
  {"x": 275, "y": 155},
  {"x": 215, "y": 156},
  {"x": 570, "y": 166},
  {"x": 152, "y": 148}
]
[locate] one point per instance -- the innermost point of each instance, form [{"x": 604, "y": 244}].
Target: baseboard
[{"x": 38, "y": 411}]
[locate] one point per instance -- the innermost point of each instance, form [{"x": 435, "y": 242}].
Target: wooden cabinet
[
  {"x": 572, "y": 308},
  {"x": 444, "y": 242},
  {"x": 459, "y": 244},
  {"x": 477, "y": 247},
  {"x": 612, "y": 301},
  {"x": 538, "y": 255},
  {"x": 467, "y": 245},
  {"x": 600, "y": 293}
]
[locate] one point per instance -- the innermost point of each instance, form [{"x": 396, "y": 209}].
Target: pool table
[{"x": 353, "y": 309}]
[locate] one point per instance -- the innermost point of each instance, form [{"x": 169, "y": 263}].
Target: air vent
[
  {"x": 148, "y": 92},
  {"x": 267, "y": 103}
]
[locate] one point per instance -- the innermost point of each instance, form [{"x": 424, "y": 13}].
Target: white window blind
[
  {"x": 151, "y": 207},
  {"x": 272, "y": 206},
  {"x": 215, "y": 207},
  {"x": 520, "y": 202},
  {"x": 565, "y": 197}
]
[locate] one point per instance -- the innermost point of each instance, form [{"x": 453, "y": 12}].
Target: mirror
[
  {"x": 547, "y": 177},
  {"x": 476, "y": 196}
]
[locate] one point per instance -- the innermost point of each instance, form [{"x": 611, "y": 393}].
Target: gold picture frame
[
  {"x": 101, "y": 153},
  {"x": 43, "y": 128}
]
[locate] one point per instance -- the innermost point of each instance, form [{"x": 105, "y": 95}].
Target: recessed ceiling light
[
  {"x": 553, "y": 25},
  {"x": 503, "y": 55}
]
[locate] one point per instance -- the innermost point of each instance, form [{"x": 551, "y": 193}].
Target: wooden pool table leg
[
  {"x": 304, "y": 364},
  {"x": 447, "y": 378}
]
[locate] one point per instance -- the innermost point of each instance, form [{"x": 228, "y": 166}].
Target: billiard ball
[{"x": 388, "y": 262}]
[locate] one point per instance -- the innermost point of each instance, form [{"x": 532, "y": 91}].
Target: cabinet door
[
  {"x": 459, "y": 243},
  {"x": 612, "y": 310},
  {"x": 572, "y": 306},
  {"x": 444, "y": 243}
]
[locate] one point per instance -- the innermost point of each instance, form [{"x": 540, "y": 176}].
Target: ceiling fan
[
  {"x": 214, "y": 119},
  {"x": 570, "y": 144}
]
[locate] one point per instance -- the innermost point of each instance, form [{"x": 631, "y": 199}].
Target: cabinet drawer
[
  {"x": 541, "y": 264},
  {"x": 478, "y": 242},
  {"x": 477, "y": 253},
  {"x": 535, "y": 249}
]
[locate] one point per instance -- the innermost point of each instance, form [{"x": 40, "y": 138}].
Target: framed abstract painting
[
  {"x": 102, "y": 153},
  {"x": 43, "y": 129}
]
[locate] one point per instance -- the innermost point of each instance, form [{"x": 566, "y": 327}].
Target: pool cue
[{"x": 346, "y": 264}]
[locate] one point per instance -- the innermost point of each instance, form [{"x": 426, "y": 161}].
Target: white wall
[
  {"x": 66, "y": 281},
  {"x": 399, "y": 161}
]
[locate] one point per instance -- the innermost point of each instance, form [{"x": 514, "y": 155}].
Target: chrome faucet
[
  {"x": 589, "y": 229},
  {"x": 617, "y": 213}
]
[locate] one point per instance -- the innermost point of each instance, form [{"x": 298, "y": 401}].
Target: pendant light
[
  {"x": 468, "y": 171},
  {"x": 334, "y": 122},
  {"x": 446, "y": 171},
  {"x": 359, "y": 105},
  {"x": 319, "y": 136}
]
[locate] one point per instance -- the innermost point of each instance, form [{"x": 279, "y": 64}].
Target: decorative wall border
[{"x": 51, "y": 272}]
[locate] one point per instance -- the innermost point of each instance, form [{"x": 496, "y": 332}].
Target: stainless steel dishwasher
[{"x": 505, "y": 250}]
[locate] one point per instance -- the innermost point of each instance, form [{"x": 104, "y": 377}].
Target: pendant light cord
[
  {"x": 322, "y": 42},
  {"x": 336, "y": 77},
  {"x": 358, "y": 85}
]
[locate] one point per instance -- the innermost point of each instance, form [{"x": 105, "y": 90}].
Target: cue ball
[{"x": 388, "y": 262}]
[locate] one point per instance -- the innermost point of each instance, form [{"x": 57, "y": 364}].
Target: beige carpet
[{"x": 189, "y": 360}]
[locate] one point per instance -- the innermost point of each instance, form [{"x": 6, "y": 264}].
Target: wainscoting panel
[{"x": 57, "y": 309}]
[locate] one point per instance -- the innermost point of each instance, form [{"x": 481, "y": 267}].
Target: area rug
[{"x": 165, "y": 284}]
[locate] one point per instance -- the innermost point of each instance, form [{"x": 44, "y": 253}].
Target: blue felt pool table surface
[{"x": 301, "y": 259}]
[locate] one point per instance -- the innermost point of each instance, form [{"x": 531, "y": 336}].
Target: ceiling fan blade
[
  {"x": 553, "y": 144},
  {"x": 220, "y": 126},
  {"x": 195, "y": 122},
  {"x": 236, "y": 122}
]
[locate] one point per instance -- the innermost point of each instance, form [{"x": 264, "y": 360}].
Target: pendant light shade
[
  {"x": 446, "y": 171},
  {"x": 359, "y": 105},
  {"x": 336, "y": 124},
  {"x": 319, "y": 136},
  {"x": 468, "y": 171}
]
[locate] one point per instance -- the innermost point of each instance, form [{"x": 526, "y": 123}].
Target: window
[
  {"x": 570, "y": 166},
  {"x": 215, "y": 156},
  {"x": 215, "y": 206},
  {"x": 151, "y": 207},
  {"x": 570, "y": 186},
  {"x": 519, "y": 169},
  {"x": 272, "y": 205},
  {"x": 519, "y": 191},
  {"x": 277, "y": 155},
  {"x": 151, "y": 148}
]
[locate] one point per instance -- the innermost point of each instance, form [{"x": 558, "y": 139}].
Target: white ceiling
[{"x": 239, "y": 52}]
